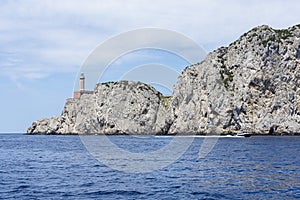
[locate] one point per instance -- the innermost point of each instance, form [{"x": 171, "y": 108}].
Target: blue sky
[{"x": 44, "y": 43}]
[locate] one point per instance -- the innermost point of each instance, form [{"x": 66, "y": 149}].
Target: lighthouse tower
[
  {"x": 78, "y": 94},
  {"x": 82, "y": 79}
]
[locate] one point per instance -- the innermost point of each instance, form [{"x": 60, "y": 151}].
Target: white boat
[{"x": 244, "y": 134}]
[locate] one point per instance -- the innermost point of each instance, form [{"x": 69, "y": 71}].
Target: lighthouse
[
  {"x": 82, "y": 79},
  {"x": 78, "y": 94}
]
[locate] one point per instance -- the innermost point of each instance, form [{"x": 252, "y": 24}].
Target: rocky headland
[{"x": 253, "y": 85}]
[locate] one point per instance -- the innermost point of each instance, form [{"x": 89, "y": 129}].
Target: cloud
[{"x": 56, "y": 36}]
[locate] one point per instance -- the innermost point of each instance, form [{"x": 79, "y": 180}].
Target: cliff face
[
  {"x": 113, "y": 108},
  {"x": 251, "y": 85}
]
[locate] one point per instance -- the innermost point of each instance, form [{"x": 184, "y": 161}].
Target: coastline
[
  {"x": 256, "y": 94},
  {"x": 163, "y": 135}
]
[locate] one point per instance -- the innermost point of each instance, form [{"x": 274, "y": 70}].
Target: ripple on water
[{"x": 59, "y": 167}]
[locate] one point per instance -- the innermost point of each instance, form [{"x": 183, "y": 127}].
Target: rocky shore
[{"x": 253, "y": 85}]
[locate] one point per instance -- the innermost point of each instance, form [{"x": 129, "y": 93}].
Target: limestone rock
[
  {"x": 252, "y": 85},
  {"x": 114, "y": 108}
]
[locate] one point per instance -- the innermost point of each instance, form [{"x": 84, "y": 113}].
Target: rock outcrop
[
  {"x": 114, "y": 108},
  {"x": 251, "y": 85}
]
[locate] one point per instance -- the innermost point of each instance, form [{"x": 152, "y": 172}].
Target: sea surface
[{"x": 60, "y": 167}]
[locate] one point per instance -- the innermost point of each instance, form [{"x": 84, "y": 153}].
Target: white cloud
[{"x": 60, "y": 34}]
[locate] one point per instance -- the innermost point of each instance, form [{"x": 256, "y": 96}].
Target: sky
[{"x": 43, "y": 44}]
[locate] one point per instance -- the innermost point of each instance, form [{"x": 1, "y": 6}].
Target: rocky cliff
[
  {"x": 114, "y": 108},
  {"x": 251, "y": 85}
]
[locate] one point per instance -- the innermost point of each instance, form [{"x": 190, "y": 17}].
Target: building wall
[{"x": 77, "y": 95}]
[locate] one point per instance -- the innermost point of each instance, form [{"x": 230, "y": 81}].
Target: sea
[{"x": 63, "y": 167}]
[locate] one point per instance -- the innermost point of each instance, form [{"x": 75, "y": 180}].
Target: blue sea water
[{"x": 60, "y": 167}]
